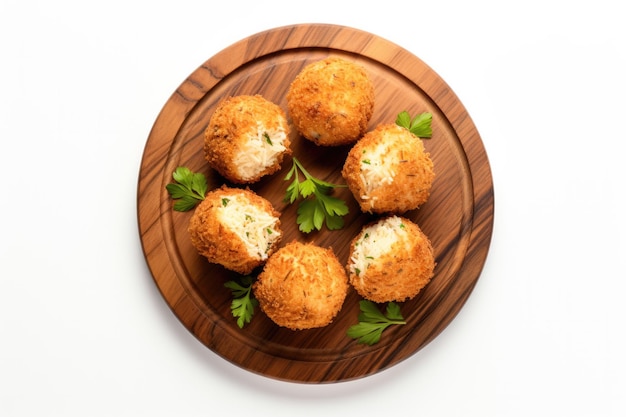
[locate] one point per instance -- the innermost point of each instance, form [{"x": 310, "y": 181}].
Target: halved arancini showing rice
[
  {"x": 235, "y": 228},
  {"x": 391, "y": 259},
  {"x": 247, "y": 138},
  {"x": 389, "y": 171}
]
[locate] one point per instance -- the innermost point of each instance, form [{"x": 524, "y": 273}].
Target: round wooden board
[{"x": 458, "y": 217}]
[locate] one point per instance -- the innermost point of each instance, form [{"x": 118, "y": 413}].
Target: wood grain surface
[{"x": 458, "y": 218}]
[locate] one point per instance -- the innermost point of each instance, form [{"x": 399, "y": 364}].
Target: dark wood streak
[
  {"x": 458, "y": 216},
  {"x": 213, "y": 73}
]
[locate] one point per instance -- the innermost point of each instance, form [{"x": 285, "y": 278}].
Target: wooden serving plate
[{"x": 458, "y": 218}]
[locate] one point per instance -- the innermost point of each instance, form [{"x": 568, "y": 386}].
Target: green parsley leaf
[
  {"x": 183, "y": 176},
  {"x": 292, "y": 191},
  {"x": 189, "y": 188},
  {"x": 176, "y": 190},
  {"x": 393, "y": 312},
  {"x": 198, "y": 184},
  {"x": 243, "y": 303},
  {"x": 372, "y": 322},
  {"x": 404, "y": 119},
  {"x": 306, "y": 215},
  {"x": 333, "y": 206},
  {"x": 317, "y": 206},
  {"x": 334, "y": 222},
  {"x": 420, "y": 125},
  {"x": 307, "y": 187},
  {"x": 186, "y": 203}
]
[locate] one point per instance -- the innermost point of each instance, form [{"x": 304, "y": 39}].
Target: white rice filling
[
  {"x": 255, "y": 227},
  {"x": 376, "y": 169},
  {"x": 375, "y": 241},
  {"x": 261, "y": 150}
]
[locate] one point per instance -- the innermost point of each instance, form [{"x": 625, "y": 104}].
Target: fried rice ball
[
  {"x": 331, "y": 102},
  {"x": 246, "y": 138},
  {"x": 389, "y": 171},
  {"x": 235, "y": 228},
  {"x": 302, "y": 286},
  {"x": 391, "y": 259}
]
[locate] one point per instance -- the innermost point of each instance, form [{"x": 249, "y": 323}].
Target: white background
[{"x": 83, "y": 329}]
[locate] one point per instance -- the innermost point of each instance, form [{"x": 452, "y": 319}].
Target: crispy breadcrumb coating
[
  {"x": 246, "y": 138},
  {"x": 391, "y": 259},
  {"x": 331, "y": 101},
  {"x": 235, "y": 228},
  {"x": 389, "y": 171},
  {"x": 302, "y": 286}
]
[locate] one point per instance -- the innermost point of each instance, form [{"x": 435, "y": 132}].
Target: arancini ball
[
  {"x": 235, "y": 228},
  {"x": 331, "y": 101},
  {"x": 302, "y": 286},
  {"x": 391, "y": 259},
  {"x": 246, "y": 138},
  {"x": 389, "y": 171}
]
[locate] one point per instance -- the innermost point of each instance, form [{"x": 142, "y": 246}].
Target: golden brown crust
[
  {"x": 236, "y": 119},
  {"x": 331, "y": 101},
  {"x": 302, "y": 286},
  {"x": 412, "y": 165},
  {"x": 216, "y": 241},
  {"x": 401, "y": 273}
]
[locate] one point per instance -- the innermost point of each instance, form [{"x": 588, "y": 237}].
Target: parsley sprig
[
  {"x": 420, "y": 125},
  {"x": 372, "y": 322},
  {"x": 321, "y": 207},
  {"x": 243, "y": 303},
  {"x": 189, "y": 188}
]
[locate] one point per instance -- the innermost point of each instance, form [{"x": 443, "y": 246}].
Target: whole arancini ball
[
  {"x": 331, "y": 102},
  {"x": 302, "y": 286}
]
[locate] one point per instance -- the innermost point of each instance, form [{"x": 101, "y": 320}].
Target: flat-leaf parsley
[
  {"x": 243, "y": 303},
  {"x": 189, "y": 188},
  {"x": 320, "y": 207},
  {"x": 419, "y": 125},
  {"x": 372, "y": 322}
]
